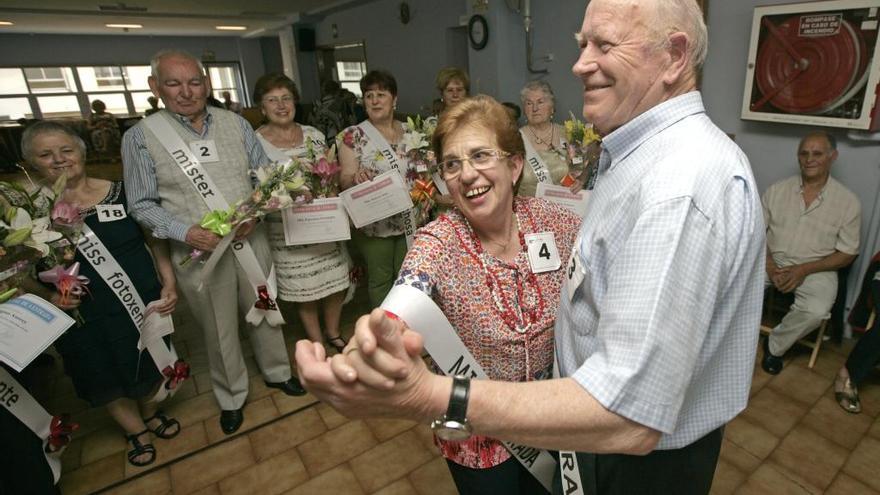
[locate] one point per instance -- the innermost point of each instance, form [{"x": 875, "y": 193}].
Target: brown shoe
[{"x": 847, "y": 395}]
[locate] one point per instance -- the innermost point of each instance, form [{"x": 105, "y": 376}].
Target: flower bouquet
[
  {"x": 416, "y": 143},
  {"x": 280, "y": 185},
  {"x": 38, "y": 229},
  {"x": 583, "y": 149},
  {"x": 323, "y": 173}
]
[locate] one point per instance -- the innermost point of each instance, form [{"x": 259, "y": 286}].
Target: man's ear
[
  {"x": 679, "y": 58},
  {"x": 154, "y": 86}
]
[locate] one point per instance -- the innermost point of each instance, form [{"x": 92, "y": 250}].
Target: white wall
[
  {"x": 52, "y": 49},
  {"x": 412, "y": 52},
  {"x": 772, "y": 147}
]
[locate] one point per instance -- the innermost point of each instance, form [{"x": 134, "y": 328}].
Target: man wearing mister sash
[
  {"x": 657, "y": 327},
  {"x": 179, "y": 164}
]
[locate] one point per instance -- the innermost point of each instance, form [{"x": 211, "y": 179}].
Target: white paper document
[
  {"x": 322, "y": 220},
  {"x": 371, "y": 201},
  {"x": 28, "y": 325},
  {"x": 576, "y": 202}
]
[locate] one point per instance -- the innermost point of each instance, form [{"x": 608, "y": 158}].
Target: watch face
[{"x": 451, "y": 431}]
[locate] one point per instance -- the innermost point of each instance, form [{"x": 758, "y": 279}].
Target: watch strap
[{"x": 458, "y": 399}]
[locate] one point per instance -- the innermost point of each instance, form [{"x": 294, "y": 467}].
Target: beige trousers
[
  {"x": 812, "y": 304},
  {"x": 217, "y": 307}
]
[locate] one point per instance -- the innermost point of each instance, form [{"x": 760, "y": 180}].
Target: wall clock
[{"x": 478, "y": 32}]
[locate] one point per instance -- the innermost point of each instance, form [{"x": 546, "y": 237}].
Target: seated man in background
[{"x": 813, "y": 226}]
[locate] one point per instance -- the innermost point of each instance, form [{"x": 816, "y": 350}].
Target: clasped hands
[
  {"x": 787, "y": 278},
  {"x": 379, "y": 374}
]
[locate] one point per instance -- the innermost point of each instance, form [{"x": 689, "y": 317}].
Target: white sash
[
  {"x": 570, "y": 473},
  {"x": 378, "y": 141},
  {"x": 421, "y": 314},
  {"x": 264, "y": 287},
  {"x": 147, "y": 322},
  {"x": 23, "y": 406},
  {"x": 535, "y": 161}
]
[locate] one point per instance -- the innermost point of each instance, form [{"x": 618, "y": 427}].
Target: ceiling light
[
  {"x": 6, "y": 23},
  {"x": 125, "y": 26},
  {"x": 231, "y": 28}
]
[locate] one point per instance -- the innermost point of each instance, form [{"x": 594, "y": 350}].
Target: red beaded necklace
[{"x": 502, "y": 306}]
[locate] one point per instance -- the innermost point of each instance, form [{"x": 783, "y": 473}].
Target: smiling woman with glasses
[
  {"x": 474, "y": 263},
  {"x": 315, "y": 276}
]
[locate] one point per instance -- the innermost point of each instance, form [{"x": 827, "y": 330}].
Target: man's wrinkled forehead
[
  {"x": 186, "y": 69},
  {"x": 603, "y": 18}
]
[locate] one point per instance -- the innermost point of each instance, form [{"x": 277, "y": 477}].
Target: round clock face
[{"x": 478, "y": 32}]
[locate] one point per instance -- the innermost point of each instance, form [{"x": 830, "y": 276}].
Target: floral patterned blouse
[
  {"x": 481, "y": 290},
  {"x": 370, "y": 158}
]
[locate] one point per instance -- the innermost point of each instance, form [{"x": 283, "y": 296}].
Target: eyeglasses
[
  {"x": 480, "y": 160},
  {"x": 274, "y": 100}
]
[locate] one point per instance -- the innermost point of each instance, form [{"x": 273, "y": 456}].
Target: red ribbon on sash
[
  {"x": 264, "y": 301},
  {"x": 59, "y": 432},
  {"x": 176, "y": 374}
]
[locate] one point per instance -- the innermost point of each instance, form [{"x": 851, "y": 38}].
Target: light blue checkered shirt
[{"x": 663, "y": 328}]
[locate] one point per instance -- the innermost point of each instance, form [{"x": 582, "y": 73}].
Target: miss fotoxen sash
[
  {"x": 539, "y": 166},
  {"x": 378, "y": 141},
  {"x": 149, "y": 324},
  {"x": 422, "y": 315},
  {"x": 264, "y": 287},
  {"x": 26, "y": 409}
]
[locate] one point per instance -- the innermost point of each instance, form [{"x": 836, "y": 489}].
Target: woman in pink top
[{"x": 473, "y": 262}]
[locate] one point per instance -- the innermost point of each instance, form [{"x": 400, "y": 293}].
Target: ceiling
[{"x": 160, "y": 17}]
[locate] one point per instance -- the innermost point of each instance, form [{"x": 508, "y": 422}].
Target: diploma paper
[
  {"x": 576, "y": 202},
  {"x": 28, "y": 325},
  {"x": 322, "y": 220},
  {"x": 374, "y": 200}
]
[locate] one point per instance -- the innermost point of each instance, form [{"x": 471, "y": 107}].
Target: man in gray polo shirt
[{"x": 162, "y": 199}]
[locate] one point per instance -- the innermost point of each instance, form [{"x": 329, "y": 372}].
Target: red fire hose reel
[{"x": 798, "y": 71}]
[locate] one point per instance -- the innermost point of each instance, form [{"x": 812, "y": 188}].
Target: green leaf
[{"x": 16, "y": 237}]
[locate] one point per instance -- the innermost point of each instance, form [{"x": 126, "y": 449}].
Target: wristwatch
[{"x": 454, "y": 426}]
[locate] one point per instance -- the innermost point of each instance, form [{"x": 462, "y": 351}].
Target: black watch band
[{"x": 458, "y": 399}]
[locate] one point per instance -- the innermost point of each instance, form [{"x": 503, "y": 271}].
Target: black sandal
[
  {"x": 335, "y": 343},
  {"x": 140, "y": 449},
  {"x": 165, "y": 423}
]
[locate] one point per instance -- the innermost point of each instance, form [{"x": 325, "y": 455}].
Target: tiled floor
[{"x": 792, "y": 439}]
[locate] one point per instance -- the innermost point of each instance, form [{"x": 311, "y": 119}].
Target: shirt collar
[
  {"x": 625, "y": 139},
  {"x": 188, "y": 123}
]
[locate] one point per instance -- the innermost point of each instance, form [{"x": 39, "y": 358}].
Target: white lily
[{"x": 40, "y": 232}]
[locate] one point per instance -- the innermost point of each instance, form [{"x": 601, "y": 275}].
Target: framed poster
[{"x": 814, "y": 64}]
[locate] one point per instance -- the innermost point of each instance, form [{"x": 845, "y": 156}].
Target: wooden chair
[{"x": 777, "y": 304}]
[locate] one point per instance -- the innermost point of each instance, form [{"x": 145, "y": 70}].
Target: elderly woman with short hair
[
  {"x": 315, "y": 276},
  {"x": 454, "y": 86},
  {"x": 474, "y": 263},
  {"x": 101, "y": 356},
  {"x": 545, "y": 140}
]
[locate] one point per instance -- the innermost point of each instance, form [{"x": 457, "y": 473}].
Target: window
[
  {"x": 50, "y": 79},
  {"x": 350, "y": 74},
  {"x": 226, "y": 77},
  {"x": 53, "y": 92}
]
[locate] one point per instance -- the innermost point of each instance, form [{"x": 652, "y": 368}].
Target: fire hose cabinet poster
[{"x": 815, "y": 64}]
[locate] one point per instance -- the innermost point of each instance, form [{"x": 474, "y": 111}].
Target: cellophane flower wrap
[
  {"x": 583, "y": 149},
  {"x": 416, "y": 143},
  {"x": 279, "y": 185},
  {"x": 322, "y": 174},
  {"x": 39, "y": 231}
]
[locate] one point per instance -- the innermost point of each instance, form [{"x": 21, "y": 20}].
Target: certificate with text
[
  {"x": 576, "y": 202},
  {"x": 371, "y": 201},
  {"x": 322, "y": 220},
  {"x": 28, "y": 325}
]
